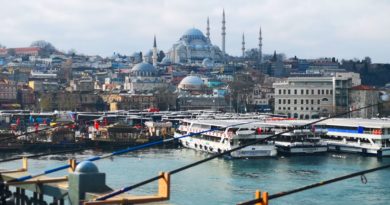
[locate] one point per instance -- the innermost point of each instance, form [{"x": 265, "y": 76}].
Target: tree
[
  {"x": 46, "y": 48},
  {"x": 160, "y": 56},
  {"x": 240, "y": 90},
  {"x": 72, "y": 52}
]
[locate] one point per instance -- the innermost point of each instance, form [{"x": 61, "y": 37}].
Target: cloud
[{"x": 306, "y": 28}]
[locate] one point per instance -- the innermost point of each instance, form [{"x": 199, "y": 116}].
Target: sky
[{"x": 304, "y": 28}]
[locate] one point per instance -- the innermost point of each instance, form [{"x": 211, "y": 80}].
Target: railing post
[
  {"x": 263, "y": 196},
  {"x": 73, "y": 164},
  {"x": 24, "y": 164},
  {"x": 23, "y": 197},
  {"x": 164, "y": 185},
  {"x": 86, "y": 178}
]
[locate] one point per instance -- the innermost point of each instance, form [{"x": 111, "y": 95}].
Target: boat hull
[{"x": 253, "y": 151}]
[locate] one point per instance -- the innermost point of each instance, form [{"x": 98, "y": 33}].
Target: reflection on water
[{"x": 222, "y": 181}]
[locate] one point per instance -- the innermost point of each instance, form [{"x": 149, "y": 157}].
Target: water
[{"x": 223, "y": 181}]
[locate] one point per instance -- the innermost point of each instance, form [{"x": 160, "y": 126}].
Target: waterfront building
[
  {"x": 8, "y": 93},
  {"x": 262, "y": 98},
  {"x": 26, "y": 97},
  {"x": 312, "y": 97},
  {"x": 362, "y": 96}
]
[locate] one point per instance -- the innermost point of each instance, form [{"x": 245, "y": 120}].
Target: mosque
[{"x": 194, "y": 47}]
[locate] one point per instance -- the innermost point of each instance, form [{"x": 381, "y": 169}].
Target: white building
[{"x": 312, "y": 97}]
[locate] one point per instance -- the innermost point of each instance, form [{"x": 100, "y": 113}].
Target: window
[
  {"x": 331, "y": 92},
  {"x": 322, "y": 91},
  {"x": 284, "y": 101},
  {"x": 284, "y": 92},
  {"x": 327, "y": 92},
  {"x": 312, "y": 102},
  {"x": 288, "y": 101},
  {"x": 288, "y": 92},
  {"x": 295, "y": 91},
  {"x": 295, "y": 101},
  {"x": 301, "y": 101},
  {"x": 312, "y": 92},
  {"x": 307, "y": 101},
  {"x": 301, "y": 92},
  {"x": 280, "y": 92},
  {"x": 319, "y": 92},
  {"x": 280, "y": 101},
  {"x": 307, "y": 92},
  {"x": 318, "y": 101}
]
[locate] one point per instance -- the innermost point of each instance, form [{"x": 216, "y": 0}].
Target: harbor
[{"x": 252, "y": 151}]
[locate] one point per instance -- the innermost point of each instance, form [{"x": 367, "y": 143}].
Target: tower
[
  {"x": 260, "y": 47},
  {"x": 243, "y": 45},
  {"x": 208, "y": 29},
  {"x": 223, "y": 33},
  {"x": 154, "y": 57}
]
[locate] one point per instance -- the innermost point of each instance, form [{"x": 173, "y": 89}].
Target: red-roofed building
[
  {"x": 21, "y": 51},
  {"x": 362, "y": 96}
]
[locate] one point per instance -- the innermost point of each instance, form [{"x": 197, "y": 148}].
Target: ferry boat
[
  {"x": 224, "y": 135},
  {"x": 300, "y": 140},
  {"x": 366, "y": 136}
]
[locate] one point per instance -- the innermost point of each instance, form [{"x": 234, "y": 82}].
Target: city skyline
[{"x": 307, "y": 29}]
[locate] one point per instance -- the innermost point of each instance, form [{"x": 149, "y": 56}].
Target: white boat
[
  {"x": 222, "y": 135},
  {"x": 300, "y": 140},
  {"x": 366, "y": 136}
]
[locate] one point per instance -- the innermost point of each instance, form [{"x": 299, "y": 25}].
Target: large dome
[
  {"x": 144, "y": 69},
  {"x": 191, "y": 83},
  {"x": 193, "y": 33}
]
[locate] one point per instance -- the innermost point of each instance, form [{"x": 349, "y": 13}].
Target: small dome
[
  {"x": 149, "y": 53},
  {"x": 166, "y": 61},
  {"x": 191, "y": 83},
  {"x": 207, "y": 62},
  {"x": 143, "y": 69},
  {"x": 86, "y": 167}
]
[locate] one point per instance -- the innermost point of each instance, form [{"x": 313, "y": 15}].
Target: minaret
[
  {"x": 154, "y": 57},
  {"x": 260, "y": 47},
  {"x": 243, "y": 45},
  {"x": 208, "y": 29},
  {"x": 223, "y": 33}
]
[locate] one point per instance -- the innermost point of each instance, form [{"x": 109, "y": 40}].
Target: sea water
[{"x": 229, "y": 181}]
